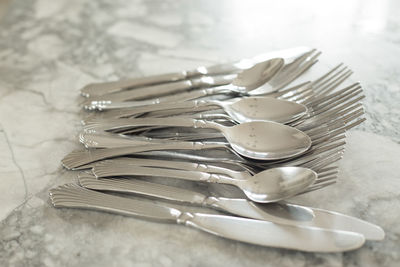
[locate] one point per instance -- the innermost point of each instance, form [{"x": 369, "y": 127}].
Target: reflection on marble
[{"x": 50, "y": 49}]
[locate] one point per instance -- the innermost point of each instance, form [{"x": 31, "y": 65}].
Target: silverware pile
[{"x": 243, "y": 137}]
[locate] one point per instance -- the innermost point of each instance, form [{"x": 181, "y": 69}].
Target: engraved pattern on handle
[{"x": 74, "y": 196}]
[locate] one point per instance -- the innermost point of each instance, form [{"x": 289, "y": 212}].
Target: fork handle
[
  {"x": 147, "y": 95},
  {"x": 116, "y": 86}
]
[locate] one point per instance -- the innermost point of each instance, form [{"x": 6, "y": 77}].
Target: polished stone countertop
[{"x": 51, "y": 49}]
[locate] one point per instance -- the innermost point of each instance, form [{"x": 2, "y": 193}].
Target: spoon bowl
[
  {"x": 263, "y": 109},
  {"x": 266, "y": 140},
  {"x": 276, "y": 184}
]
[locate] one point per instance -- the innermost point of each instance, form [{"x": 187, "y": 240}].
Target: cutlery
[
  {"x": 160, "y": 91},
  {"x": 290, "y": 56},
  {"x": 245, "y": 81},
  {"x": 256, "y": 139},
  {"x": 270, "y": 185},
  {"x": 268, "y": 108},
  {"x": 282, "y": 213},
  {"x": 239, "y": 109},
  {"x": 319, "y": 111},
  {"x": 241, "y": 229},
  {"x": 302, "y": 93},
  {"x": 263, "y": 79},
  {"x": 321, "y": 136}
]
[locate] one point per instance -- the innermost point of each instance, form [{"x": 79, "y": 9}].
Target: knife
[
  {"x": 97, "y": 89},
  {"x": 282, "y": 213},
  {"x": 251, "y": 231}
]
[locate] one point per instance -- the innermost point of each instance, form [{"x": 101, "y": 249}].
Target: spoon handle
[
  {"x": 116, "y": 86},
  {"x": 126, "y": 124},
  {"x": 180, "y": 165},
  {"x": 154, "y": 94},
  {"x": 102, "y": 171},
  {"x": 135, "y": 108},
  {"x": 195, "y": 94}
]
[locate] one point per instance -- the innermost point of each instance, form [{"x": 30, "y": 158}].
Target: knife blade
[
  {"x": 94, "y": 89},
  {"x": 283, "y": 213},
  {"x": 251, "y": 231}
]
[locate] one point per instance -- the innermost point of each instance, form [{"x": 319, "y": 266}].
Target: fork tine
[
  {"x": 326, "y": 75},
  {"x": 335, "y": 83},
  {"x": 284, "y": 78}
]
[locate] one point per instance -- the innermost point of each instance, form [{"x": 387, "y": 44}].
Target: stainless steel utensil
[
  {"x": 270, "y": 185},
  {"x": 241, "y": 229},
  {"x": 282, "y": 213},
  {"x": 290, "y": 55}
]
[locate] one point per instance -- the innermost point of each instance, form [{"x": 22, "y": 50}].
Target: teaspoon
[
  {"x": 239, "y": 109},
  {"x": 270, "y": 185}
]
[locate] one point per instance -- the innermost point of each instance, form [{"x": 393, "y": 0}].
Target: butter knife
[
  {"x": 251, "y": 231},
  {"x": 282, "y": 213},
  {"x": 94, "y": 89}
]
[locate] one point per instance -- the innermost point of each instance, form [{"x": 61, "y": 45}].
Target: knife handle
[
  {"x": 274, "y": 235},
  {"x": 74, "y": 196}
]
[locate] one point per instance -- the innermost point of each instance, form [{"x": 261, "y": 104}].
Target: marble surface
[{"x": 50, "y": 49}]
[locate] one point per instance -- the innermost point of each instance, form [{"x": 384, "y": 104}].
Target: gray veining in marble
[{"x": 50, "y": 49}]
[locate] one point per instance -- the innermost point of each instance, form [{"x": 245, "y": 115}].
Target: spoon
[
  {"x": 245, "y": 81},
  {"x": 256, "y": 139},
  {"x": 270, "y": 185},
  {"x": 239, "y": 109}
]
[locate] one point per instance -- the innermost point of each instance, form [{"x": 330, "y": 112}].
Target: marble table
[{"x": 50, "y": 49}]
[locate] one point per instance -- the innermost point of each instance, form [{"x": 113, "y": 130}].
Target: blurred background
[{"x": 108, "y": 40}]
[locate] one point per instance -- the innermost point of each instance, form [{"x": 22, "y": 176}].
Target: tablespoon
[
  {"x": 256, "y": 139},
  {"x": 270, "y": 185}
]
